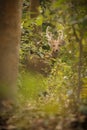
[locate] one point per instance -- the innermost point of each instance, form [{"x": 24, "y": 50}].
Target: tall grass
[{"x": 31, "y": 85}]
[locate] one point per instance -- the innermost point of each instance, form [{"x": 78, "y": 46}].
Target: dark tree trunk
[
  {"x": 34, "y": 5},
  {"x": 79, "y": 40},
  {"x": 80, "y": 69},
  {"x": 10, "y": 19}
]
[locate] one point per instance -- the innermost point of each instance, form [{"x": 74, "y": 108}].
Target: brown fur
[
  {"x": 55, "y": 43},
  {"x": 38, "y": 64},
  {"x": 42, "y": 65}
]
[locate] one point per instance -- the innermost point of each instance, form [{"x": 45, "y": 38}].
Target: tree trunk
[
  {"x": 79, "y": 40},
  {"x": 10, "y": 15},
  {"x": 80, "y": 70},
  {"x": 34, "y": 5},
  {"x": 10, "y": 19}
]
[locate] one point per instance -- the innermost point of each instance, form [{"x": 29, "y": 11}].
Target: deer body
[{"x": 42, "y": 65}]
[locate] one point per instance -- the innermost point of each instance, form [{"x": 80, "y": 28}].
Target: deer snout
[{"x": 56, "y": 50}]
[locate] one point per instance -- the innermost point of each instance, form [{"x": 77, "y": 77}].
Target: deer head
[{"x": 55, "y": 43}]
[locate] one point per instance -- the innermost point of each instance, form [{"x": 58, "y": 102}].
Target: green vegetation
[
  {"x": 31, "y": 85},
  {"x": 64, "y": 87},
  {"x": 66, "y": 81}
]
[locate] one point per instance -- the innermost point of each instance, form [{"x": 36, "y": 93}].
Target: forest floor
[
  {"x": 25, "y": 119},
  {"x": 39, "y": 121},
  {"x": 34, "y": 115},
  {"x": 53, "y": 123}
]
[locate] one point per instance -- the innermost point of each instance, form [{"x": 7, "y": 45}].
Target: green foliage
[
  {"x": 32, "y": 84},
  {"x": 65, "y": 86},
  {"x": 62, "y": 83}
]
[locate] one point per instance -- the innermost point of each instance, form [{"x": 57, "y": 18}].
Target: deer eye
[
  {"x": 59, "y": 45},
  {"x": 53, "y": 45}
]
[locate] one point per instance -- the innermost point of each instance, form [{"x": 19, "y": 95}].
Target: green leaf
[
  {"x": 39, "y": 20},
  {"x": 58, "y": 3}
]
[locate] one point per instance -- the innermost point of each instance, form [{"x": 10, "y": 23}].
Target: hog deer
[
  {"x": 55, "y": 43},
  {"x": 42, "y": 65}
]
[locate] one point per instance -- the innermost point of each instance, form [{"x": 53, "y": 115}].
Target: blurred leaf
[{"x": 39, "y": 20}]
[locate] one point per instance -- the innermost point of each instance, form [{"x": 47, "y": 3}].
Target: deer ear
[
  {"x": 48, "y": 34},
  {"x": 50, "y": 43},
  {"x": 63, "y": 42}
]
